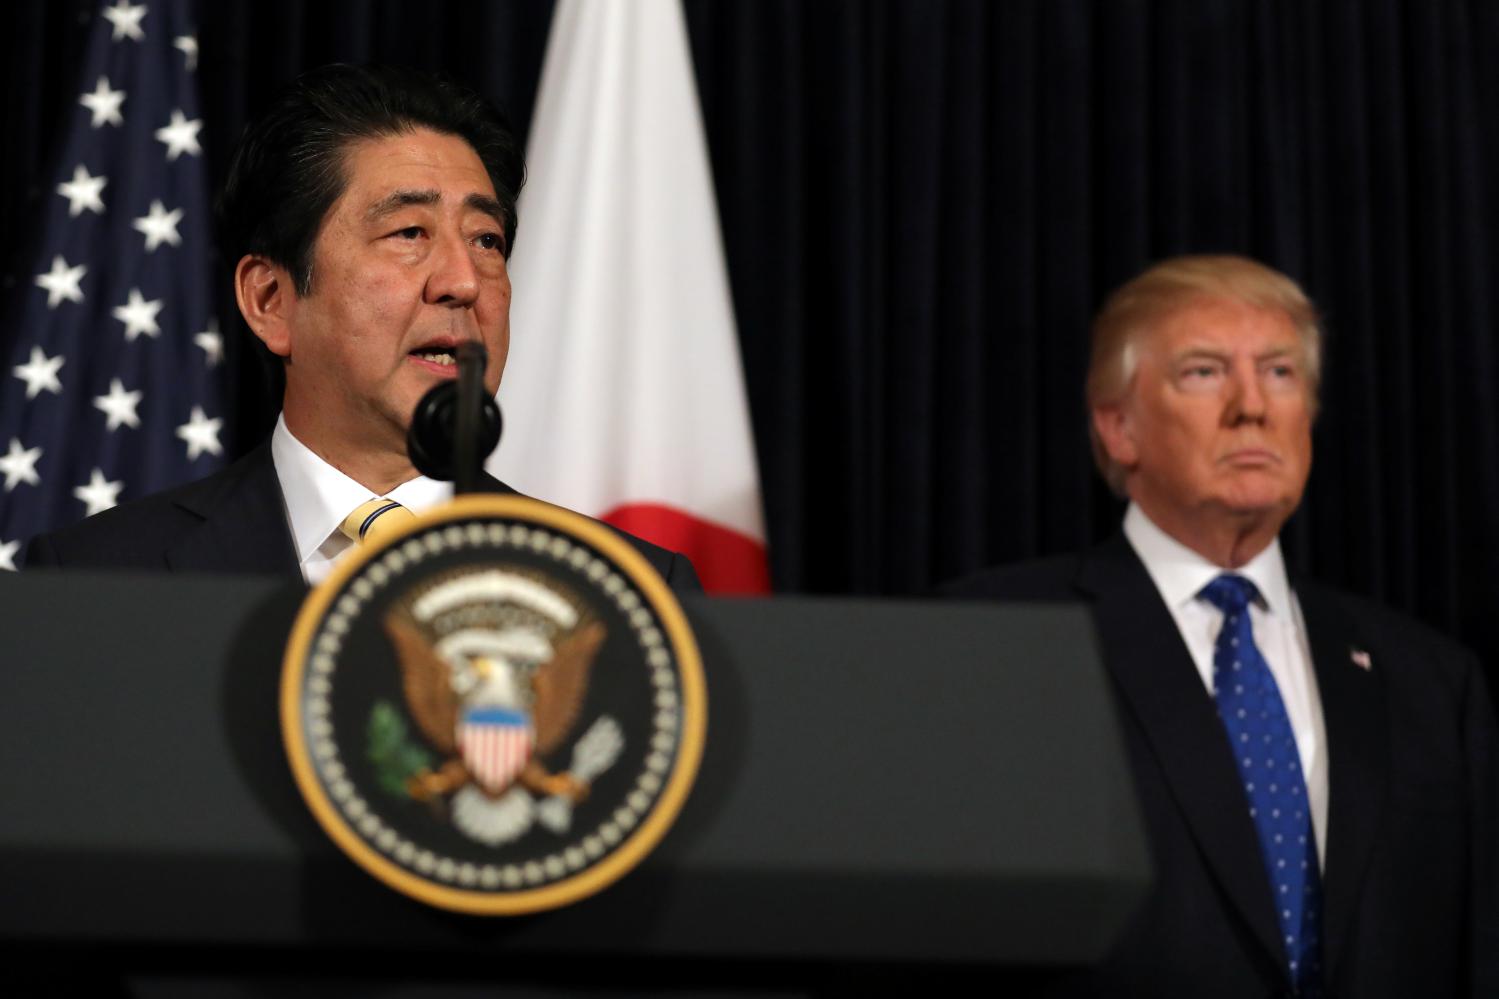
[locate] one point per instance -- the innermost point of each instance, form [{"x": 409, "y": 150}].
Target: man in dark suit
[
  {"x": 372, "y": 212},
  {"x": 1318, "y": 775}
]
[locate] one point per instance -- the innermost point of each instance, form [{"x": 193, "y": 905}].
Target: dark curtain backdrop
[{"x": 923, "y": 202}]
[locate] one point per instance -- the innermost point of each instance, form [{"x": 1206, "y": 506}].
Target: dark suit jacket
[
  {"x": 1410, "y": 883},
  {"x": 231, "y": 521}
]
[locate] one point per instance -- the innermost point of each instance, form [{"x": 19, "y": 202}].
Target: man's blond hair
[{"x": 1144, "y": 303}]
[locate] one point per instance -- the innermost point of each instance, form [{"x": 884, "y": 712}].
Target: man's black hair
[{"x": 289, "y": 167}]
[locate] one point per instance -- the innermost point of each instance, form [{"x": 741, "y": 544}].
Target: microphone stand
[{"x": 471, "y": 360}]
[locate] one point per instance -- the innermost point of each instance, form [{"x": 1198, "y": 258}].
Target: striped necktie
[{"x": 375, "y": 519}]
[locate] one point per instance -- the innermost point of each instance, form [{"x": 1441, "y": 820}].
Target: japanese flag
[{"x": 624, "y": 392}]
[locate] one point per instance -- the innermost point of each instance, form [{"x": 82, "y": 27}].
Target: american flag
[{"x": 112, "y": 353}]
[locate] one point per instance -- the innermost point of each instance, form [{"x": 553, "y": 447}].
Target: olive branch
[{"x": 396, "y": 757}]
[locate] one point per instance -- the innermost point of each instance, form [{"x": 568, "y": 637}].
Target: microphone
[{"x": 456, "y": 424}]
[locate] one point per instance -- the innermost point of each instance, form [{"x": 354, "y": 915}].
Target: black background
[{"x": 923, "y": 202}]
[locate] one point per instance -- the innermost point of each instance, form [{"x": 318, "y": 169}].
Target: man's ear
[
  {"x": 1117, "y": 433},
  {"x": 266, "y": 299}
]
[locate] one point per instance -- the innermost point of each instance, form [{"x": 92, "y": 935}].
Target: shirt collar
[
  {"x": 318, "y": 496},
  {"x": 1180, "y": 573}
]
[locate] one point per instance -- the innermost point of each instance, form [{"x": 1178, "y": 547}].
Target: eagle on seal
[{"x": 494, "y": 699}]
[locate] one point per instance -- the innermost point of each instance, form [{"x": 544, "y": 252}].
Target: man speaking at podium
[
  {"x": 1317, "y": 774},
  {"x": 372, "y": 212}
]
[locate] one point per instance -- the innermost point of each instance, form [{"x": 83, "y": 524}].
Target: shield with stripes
[{"x": 496, "y": 744}]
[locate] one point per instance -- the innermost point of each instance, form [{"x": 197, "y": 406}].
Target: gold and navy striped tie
[{"x": 371, "y": 521}]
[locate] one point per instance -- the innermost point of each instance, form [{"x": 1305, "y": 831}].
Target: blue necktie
[{"x": 1265, "y": 750}]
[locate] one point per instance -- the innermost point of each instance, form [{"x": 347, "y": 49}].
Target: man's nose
[
  {"x": 1246, "y": 395},
  {"x": 453, "y": 279}
]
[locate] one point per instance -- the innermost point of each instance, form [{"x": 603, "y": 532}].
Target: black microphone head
[{"x": 434, "y": 429}]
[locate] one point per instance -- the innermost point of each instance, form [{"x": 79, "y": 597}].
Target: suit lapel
[
  {"x": 243, "y": 526},
  {"x": 1159, "y": 683},
  {"x": 489, "y": 484},
  {"x": 243, "y": 516},
  {"x": 1354, "y": 713}
]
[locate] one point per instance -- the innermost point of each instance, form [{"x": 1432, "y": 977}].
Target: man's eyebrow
[
  {"x": 1200, "y": 350},
  {"x": 489, "y": 206},
  {"x": 397, "y": 200},
  {"x": 1205, "y": 352}
]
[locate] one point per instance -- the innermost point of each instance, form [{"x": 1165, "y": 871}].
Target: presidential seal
[{"x": 500, "y": 709}]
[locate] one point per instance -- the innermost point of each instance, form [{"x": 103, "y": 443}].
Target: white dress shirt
[
  {"x": 318, "y": 497},
  {"x": 1179, "y": 574}
]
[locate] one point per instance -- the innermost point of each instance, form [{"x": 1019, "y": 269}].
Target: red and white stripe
[{"x": 495, "y": 754}]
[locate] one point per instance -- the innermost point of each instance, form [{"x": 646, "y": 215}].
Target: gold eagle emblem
[{"x": 495, "y": 667}]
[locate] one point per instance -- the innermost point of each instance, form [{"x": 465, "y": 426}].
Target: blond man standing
[{"x": 1317, "y": 774}]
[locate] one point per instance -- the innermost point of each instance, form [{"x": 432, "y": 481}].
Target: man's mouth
[
  {"x": 439, "y": 356},
  {"x": 1252, "y": 456},
  {"x": 442, "y": 356}
]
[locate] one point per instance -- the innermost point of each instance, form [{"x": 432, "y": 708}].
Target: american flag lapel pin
[{"x": 1361, "y": 659}]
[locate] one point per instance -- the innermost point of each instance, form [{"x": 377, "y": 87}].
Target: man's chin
[
  {"x": 392, "y": 423},
  {"x": 1252, "y": 507}
]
